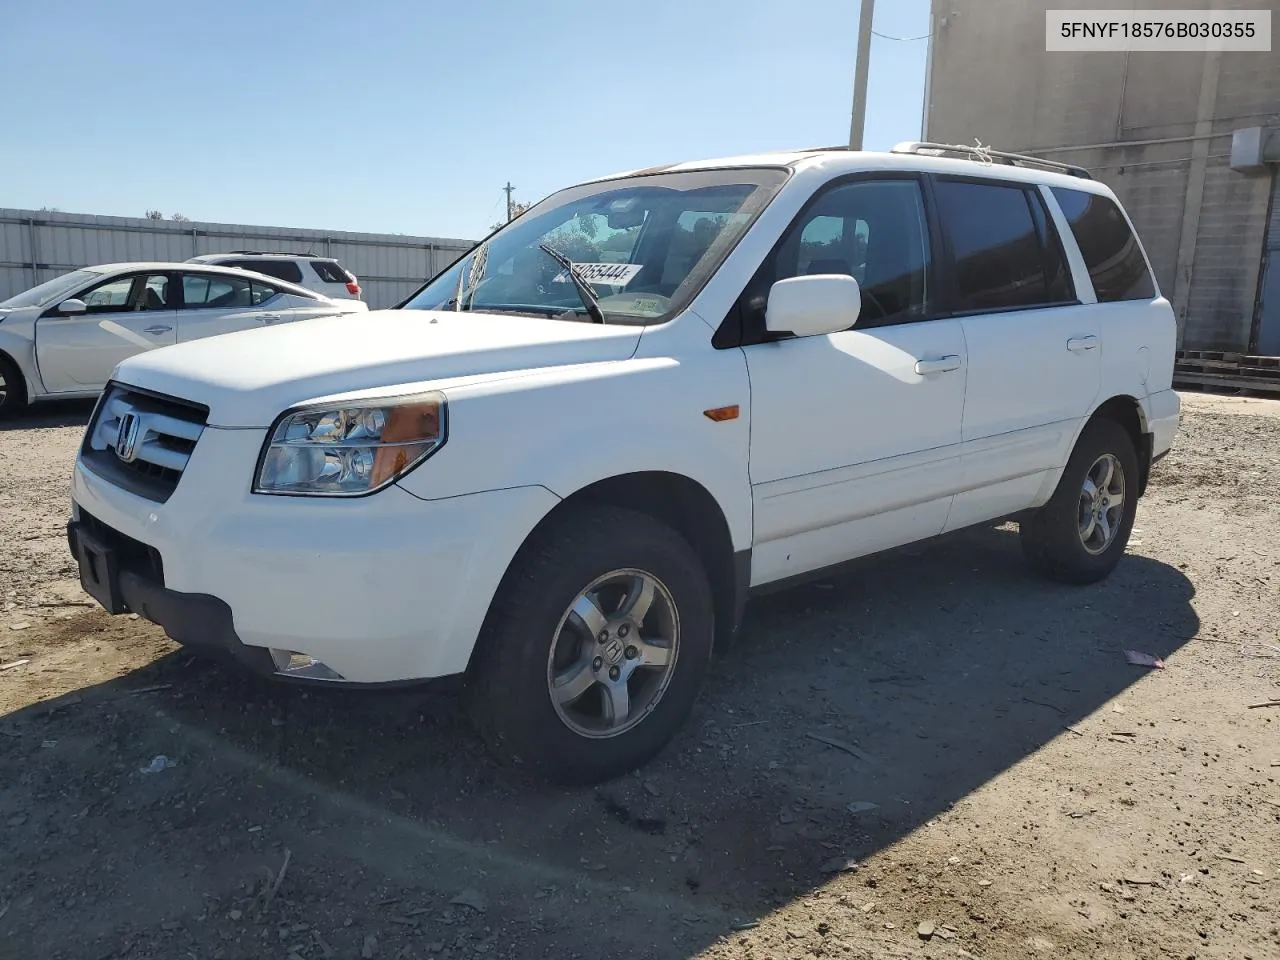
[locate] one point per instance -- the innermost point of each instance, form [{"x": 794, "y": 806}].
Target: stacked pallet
[{"x": 1237, "y": 371}]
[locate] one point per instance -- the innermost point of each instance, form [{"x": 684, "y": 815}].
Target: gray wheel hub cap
[
  {"x": 1102, "y": 504},
  {"x": 613, "y": 653}
]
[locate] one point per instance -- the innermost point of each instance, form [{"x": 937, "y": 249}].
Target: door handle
[
  {"x": 1082, "y": 344},
  {"x": 157, "y": 329},
  {"x": 267, "y": 319},
  {"x": 941, "y": 365}
]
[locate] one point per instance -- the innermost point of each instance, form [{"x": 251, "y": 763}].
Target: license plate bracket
[{"x": 99, "y": 569}]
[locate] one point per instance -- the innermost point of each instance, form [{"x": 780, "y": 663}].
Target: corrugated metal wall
[{"x": 38, "y": 245}]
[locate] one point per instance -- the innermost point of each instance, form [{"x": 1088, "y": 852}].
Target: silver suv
[{"x": 321, "y": 274}]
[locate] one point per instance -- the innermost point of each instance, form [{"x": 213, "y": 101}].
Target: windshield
[
  {"x": 643, "y": 245},
  {"x": 50, "y": 290}
]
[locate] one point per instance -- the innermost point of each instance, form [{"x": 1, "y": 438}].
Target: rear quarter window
[
  {"x": 1110, "y": 250},
  {"x": 329, "y": 272}
]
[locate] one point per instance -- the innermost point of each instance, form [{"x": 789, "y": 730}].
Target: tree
[
  {"x": 180, "y": 218},
  {"x": 154, "y": 215},
  {"x": 517, "y": 210}
]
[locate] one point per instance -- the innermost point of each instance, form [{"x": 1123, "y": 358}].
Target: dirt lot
[{"x": 1034, "y": 794}]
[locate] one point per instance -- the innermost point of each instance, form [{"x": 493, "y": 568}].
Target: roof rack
[
  {"x": 986, "y": 155},
  {"x": 272, "y": 253}
]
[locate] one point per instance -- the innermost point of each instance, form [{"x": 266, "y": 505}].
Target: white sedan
[{"x": 62, "y": 339}]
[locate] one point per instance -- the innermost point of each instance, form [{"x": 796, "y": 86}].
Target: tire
[
  {"x": 1054, "y": 538},
  {"x": 541, "y": 693},
  {"x": 13, "y": 388}
]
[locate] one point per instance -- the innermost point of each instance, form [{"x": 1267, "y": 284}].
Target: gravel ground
[{"x": 1020, "y": 790}]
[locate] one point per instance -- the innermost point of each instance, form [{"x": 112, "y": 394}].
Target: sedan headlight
[{"x": 352, "y": 449}]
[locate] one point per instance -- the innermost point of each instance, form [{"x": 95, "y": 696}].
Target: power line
[{"x": 885, "y": 36}]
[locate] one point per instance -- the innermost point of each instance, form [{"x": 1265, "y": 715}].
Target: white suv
[
  {"x": 564, "y": 464},
  {"x": 321, "y": 274}
]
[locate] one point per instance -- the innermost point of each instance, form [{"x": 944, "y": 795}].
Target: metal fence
[{"x": 37, "y": 245}]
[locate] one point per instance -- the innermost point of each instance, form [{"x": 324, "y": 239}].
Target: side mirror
[
  {"x": 72, "y": 306},
  {"x": 814, "y": 305}
]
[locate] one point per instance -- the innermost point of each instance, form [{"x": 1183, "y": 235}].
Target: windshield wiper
[{"x": 589, "y": 298}]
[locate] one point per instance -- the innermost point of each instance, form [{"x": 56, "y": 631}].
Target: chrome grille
[{"x": 142, "y": 441}]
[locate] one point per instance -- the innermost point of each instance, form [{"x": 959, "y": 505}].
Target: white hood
[{"x": 247, "y": 379}]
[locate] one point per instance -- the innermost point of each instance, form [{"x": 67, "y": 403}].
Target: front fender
[
  {"x": 568, "y": 428},
  {"x": 17, "y": 340}
]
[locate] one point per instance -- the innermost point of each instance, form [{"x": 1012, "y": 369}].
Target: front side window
[
  {"x": 872, "y": 230},
  {"x": 206, "y": 291},
  {"x": 1110, "y": 250},
  {"x": 110, "y": 297},
  {"x": 154, "y": 294},
  {"x": 645, "y": 245},
  {"x": 1003, "y": 259}
]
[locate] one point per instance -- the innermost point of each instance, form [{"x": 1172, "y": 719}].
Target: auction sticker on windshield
[{"x": 616, "y": 274}]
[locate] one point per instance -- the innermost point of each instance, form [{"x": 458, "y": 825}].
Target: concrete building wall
[{"x": 1156, "y": 127}]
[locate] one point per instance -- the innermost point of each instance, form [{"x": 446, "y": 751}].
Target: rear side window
[
  {"x": 280, "y": 269},
  {"x": 203, "y": 290},
  {"x": 1006, "y": 256},
  {"x": 260, "y": 293},
  {"x": 329, "y": 272},
  {"x": 1110, "y": 250}
]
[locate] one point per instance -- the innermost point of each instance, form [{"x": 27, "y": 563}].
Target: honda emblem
[{"x": 127, "y": 437}]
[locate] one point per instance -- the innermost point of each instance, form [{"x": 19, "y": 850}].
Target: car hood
[{"x": 247, "y": 379}]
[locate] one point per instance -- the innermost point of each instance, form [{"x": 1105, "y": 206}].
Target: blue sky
[{"x": 408, "y": 116}]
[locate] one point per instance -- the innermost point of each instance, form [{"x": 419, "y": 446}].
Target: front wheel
[
  {"x": 13, "y": 389},
  {"x": 595, "y": 646},
  {"x": 1081, "y": 533}
]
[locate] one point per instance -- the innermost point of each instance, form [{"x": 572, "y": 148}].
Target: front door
[
  {"x": 124, "y": 315},
  {"x": 855, "y": 435}
]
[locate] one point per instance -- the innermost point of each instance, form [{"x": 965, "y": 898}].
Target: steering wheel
[{"x": 868, "y": 295}]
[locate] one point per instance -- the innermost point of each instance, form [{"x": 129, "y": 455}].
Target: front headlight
[{"x": 350, "y": 450}]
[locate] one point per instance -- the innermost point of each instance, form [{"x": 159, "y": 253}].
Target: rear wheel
[
  {"x": 595, "y": 647},
  {"x": 13, "y": 388},
  {"x": 1080, "y": 534}
]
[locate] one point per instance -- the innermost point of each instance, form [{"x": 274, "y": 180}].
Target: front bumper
[
  {"x": 388, "y": 588},
  {"x": 198, "y": 621}
]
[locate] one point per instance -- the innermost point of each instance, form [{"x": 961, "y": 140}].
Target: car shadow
[
  {"x": 55, "y": 413},
  {"x": 899, "y": 687}
]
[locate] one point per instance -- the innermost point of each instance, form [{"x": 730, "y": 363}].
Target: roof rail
[
  {"x": 272, "y": 253},
  {"x": 983, "y": 154}
]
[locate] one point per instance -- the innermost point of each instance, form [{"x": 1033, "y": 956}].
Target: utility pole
[
  {"x": 508, "y": 190},
  {"x": 859, "y": 119}
]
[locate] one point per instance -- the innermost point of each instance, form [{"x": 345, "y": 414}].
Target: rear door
[
  {"x": 293, "y": 305},
  {"x": 215, "y": 303},
  {"x": 125, "y": 314},
  {"x": 1034, "y": 349}
]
